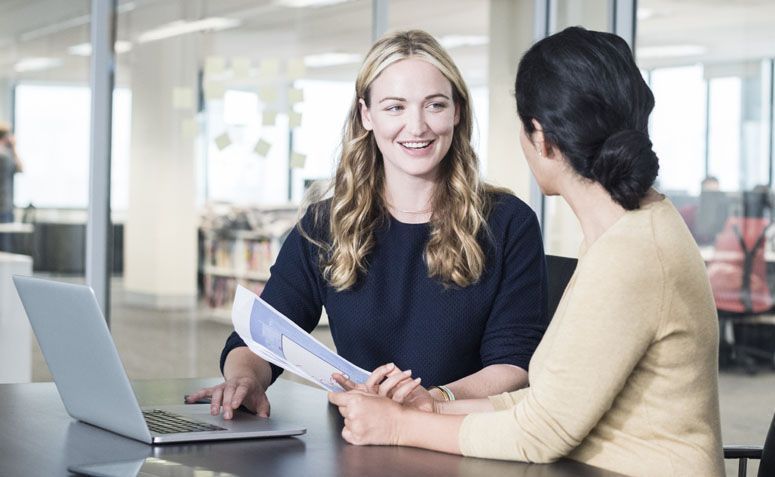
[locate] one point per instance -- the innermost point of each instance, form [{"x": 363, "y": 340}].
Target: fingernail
[
  {"x": 417, "y": 380},
  {"x": 408, "y": 372}
]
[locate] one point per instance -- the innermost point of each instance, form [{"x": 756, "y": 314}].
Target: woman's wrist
[{"x": 437, "y": 394}]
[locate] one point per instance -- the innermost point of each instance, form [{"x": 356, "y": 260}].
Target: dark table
[{"x": 38, "y": 438}]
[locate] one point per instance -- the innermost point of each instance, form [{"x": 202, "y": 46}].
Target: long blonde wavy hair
[{"x": 460, "y": 200}]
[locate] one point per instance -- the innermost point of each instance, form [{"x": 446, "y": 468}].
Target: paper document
[{"x": 272, "y": 336}]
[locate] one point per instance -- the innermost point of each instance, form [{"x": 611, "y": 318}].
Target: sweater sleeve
[
  {"x": 610, "y": 319},
  {"x": 517, "y": 318},
  {"x": 294, "y": 287}
]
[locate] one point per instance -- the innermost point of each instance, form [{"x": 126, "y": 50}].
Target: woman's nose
[{"x": 417, "y": 125}]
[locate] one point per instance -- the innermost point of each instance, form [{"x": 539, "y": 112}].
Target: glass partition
[
  {"x": 712, "y": 130},
  {"x": 44, "y": 161}
]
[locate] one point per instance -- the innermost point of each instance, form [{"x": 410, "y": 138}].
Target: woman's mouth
[{"x": 416, "y": 145}]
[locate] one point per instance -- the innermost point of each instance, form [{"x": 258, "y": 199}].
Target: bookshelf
[{"x": 238, "y": 246}]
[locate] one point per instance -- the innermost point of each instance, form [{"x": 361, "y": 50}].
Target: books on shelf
[{"x": 239, "y": 246}]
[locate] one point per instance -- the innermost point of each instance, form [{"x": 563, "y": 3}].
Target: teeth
[{"x": 416, "y": 145}]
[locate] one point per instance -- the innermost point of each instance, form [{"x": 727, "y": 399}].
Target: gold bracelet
[
  {"x": 447, "y": 392},
  {"x": 444, "y": 396}
]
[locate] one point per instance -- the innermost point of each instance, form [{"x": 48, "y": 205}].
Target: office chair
[
  {"x": 559, "y": 270},
  {"x": 765, "y": 454},
  {"x": 738, "y": 276}
]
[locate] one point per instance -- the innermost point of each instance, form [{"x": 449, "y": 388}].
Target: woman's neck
[
  {"x": 409, "y": 201},
  {"x": 593, "y": 207}
]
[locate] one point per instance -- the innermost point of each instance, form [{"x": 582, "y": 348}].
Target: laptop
[{"x": 91, "y": 380}]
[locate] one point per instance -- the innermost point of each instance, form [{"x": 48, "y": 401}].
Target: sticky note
[
  {"x": 214, "y": 90},
  {"x": 188, "y": 128},
  {"x": 241, "y": 67},
  {"x": 298, "y": 160},
  {"x": 295, "y": 95},
  {"x": 214, "y": 65},
  {"x": 295, "y": 68},
  {"x": 183, "y": 98},
  {"x": 268, "y": 94},
  {"x": 223, "y": 141},
  {"x": 269, "y": 68},
  {"x": 294, "y": 119},
  {"x": 262, "y": 147},
  {"x": 268, "y": 118}
]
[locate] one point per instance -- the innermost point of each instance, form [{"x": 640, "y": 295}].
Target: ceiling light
[
  {"x": 307, "y": 3},
  {"x": 456, "y": 41},
  {"x": 669, "y": 51},
  {"x": 36, "y": 64},
  {"x": 644, "y": 13},
  {"x": 84, "y": 49},
  {"x": 182, "y": 27},
  {"x": 322, "y": 60}
]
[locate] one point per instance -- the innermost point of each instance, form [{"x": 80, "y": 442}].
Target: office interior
[{"x": 225, "y": 111}]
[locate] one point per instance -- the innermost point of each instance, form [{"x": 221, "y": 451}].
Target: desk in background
[{"x": 38, "y": 438}]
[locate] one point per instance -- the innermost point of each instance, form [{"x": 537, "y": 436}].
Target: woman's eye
[
  {"x": 437, "y": 106},
  {"x": 394, "y": 108}
]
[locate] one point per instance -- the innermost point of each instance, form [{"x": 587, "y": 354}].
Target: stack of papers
[{"x": 275, "y": 338}]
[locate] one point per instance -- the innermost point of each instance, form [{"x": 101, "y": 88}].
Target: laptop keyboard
[{"x": 163, "y": 422}]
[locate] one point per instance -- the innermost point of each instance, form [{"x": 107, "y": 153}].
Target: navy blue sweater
[{"x": 397, "y": 313}]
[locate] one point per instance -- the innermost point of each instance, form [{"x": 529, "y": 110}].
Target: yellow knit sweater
[{"x": 625, "y": 377}]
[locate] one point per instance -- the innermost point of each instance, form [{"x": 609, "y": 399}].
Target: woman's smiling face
[{"x": 412, "y": 115}]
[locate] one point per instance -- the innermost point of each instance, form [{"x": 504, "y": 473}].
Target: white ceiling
[{"x": 719, "y": 31}]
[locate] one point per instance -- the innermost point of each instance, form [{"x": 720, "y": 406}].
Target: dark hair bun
[{"x": 626, "y": 167}]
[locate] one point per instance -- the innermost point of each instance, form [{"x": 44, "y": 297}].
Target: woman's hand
[
  {"x": 369, "y": 419},
  {"x": 389, "y": 381},
  {"x": 233, "y": 393}
]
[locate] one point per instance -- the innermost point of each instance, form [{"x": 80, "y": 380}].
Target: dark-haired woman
[{"x": 625, "y": 377}]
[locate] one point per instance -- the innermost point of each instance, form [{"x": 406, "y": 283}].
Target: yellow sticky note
[
  {"x": 298, "y": 160},
  {"x": 295, "y": 68},
  {"x": 214, "y": 65},
  {"x": 223, "y": 141},
  {"x": 183, "y": 98},
  {"x": 241, "y": 67},
  {"x": 262, "y": 147},
  {"x": 214, "y": 90},
  {"x": 188, "y": 128},
  {"x": 268, "y": 118},
  {"x": 269, "y": 68},
  {"x": 295, "y": 95},
  {"x": 268, "y": 94},
  {"x": 294, "y": 119}
]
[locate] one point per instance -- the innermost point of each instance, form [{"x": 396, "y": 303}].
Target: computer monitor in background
[{"x": 712, "y": 214}]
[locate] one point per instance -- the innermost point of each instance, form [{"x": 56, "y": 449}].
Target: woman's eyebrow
[{"x": 430, "y": 96}]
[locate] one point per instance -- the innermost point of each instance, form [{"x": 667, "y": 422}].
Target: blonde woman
[
  {"x": 415, "y": 259},
  {"x": 626, "y": 376}
]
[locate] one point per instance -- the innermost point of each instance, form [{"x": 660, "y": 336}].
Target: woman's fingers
[
  {"x": 388, "y": 385},
  {"x": 344, "y": 381},
  {"x": 379, "y": 374},
  {"x": 197, "y": 395},
  {"x": 215, "y": 400},
  {"x": 405, "y": 389}
]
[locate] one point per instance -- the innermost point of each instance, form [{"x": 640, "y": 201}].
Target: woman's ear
[
  {"x": 539, "y": 140},
  {"x": 365, "y": 115}
]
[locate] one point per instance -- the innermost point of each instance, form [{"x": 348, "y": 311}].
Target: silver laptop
[{"x": 93, "y": 384}]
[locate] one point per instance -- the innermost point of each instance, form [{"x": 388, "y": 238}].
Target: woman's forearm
[
  {"x": 464, "y": 406},
  {"x": 241, "y": 362},
  {"x": 493, "y": 379},
  {"x": 430, "y": 431}
]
